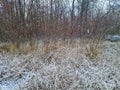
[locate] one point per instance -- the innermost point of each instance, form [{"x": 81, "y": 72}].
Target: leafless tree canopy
[{"x": 26, "y": 19}]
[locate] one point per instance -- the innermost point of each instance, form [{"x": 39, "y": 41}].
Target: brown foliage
[{"x": 21, "y": 21}]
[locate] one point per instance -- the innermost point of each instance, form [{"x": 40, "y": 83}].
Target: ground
[{"x": 62, "y": 67}]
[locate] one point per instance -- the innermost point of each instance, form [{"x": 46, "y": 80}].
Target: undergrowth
[
  {"x": 67, "y": 68},
  {"x": 18, "y": 48}
]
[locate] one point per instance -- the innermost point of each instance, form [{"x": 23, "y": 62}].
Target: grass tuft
[{"x": 92, "y": 52}]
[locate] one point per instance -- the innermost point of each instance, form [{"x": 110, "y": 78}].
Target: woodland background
[{"x": 23, "y": 20}]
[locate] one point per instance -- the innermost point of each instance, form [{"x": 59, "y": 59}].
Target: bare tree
[{"x": 23, "y": 20}]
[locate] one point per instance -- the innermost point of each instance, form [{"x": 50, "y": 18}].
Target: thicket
[{"x": 24, "y": 20}]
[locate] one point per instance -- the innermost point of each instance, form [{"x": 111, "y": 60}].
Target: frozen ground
[{"x": 66, "y": 68}]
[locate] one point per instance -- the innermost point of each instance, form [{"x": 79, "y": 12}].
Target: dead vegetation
[
  {"x": 18, "y": 48},
  {"x": 63, "y": 66},
  {"x": 76, "y": 61}
]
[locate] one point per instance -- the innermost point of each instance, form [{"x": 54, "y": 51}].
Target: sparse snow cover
[{"x": 64, "y": 69}]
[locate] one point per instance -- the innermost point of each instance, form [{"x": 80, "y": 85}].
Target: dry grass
[
  {"x": 64, "y": 67},
  {"x": 92, "y": 52},
  {"x": 91, "y": 47},
  {"x": 53, "y": 45},
  {"x": 18, "y": 48},
  {"x": 5, "y": 48}
]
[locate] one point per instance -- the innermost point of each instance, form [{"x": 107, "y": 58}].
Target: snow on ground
[{"x": 67, "y": 68}]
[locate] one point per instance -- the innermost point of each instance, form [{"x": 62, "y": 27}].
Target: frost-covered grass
[{"x": 62, "y": 66}]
